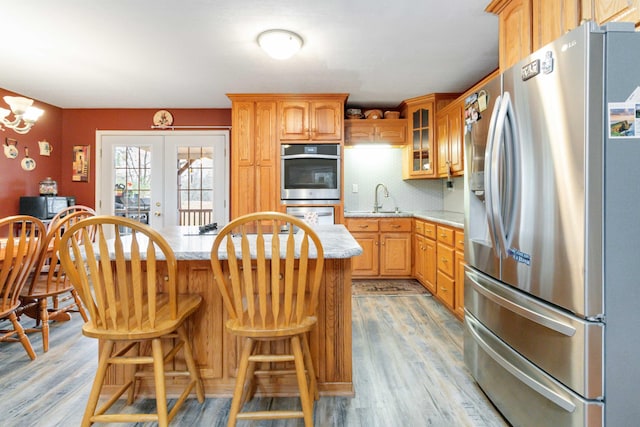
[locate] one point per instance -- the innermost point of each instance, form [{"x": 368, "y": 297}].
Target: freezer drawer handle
[
  {"x": 541, "y": 319},
  {"x": 549, "y": 394}
]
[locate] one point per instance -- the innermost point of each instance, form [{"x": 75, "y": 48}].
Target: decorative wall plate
[
  {"x": 162, "y": 118},
  {"x": 27, "y": 163}
]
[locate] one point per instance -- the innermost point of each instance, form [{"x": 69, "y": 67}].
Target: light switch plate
[{"x": 354, "y": 188}]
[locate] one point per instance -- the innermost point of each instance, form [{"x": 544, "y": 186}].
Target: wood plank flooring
[{"x": 408, "y": 371}]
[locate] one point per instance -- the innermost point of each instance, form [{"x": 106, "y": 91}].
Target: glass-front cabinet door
[{"x": 420, "y": 161}]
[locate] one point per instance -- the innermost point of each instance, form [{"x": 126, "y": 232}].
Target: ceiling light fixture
[
  {"x": 280, "y": 44},
  {"x": 22, "y": 111}
]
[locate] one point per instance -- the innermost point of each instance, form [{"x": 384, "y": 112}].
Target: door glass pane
[
  {"x": 195, "y": 172},
  {"x": 132, "y": 182}
]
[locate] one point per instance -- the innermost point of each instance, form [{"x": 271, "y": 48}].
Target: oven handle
[
  {"x": 306, "y": 156},
  {"x": 301, "y": 214}
]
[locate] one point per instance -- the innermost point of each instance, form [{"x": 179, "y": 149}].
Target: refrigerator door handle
[
  {"x": 504, "y": 154},
  {"x": 488, "y": 168},
  {"x": 495, "y": 181},
  {"x": 512, "y": 161},
  {"x": 541, "y": 389},
  {"x": 531, "y": 315}
]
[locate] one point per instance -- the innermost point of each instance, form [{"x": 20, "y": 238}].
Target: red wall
[
  {"x": 79, "y": 127},
  {"x": 64, "y": 128},
  {"x": 16, "y": 182}
]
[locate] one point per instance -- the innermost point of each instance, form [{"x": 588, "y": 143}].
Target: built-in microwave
[{"x": 310, "y": 172}]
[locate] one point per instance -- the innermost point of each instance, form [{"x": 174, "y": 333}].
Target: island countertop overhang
[{"x": 187, "y": 244}]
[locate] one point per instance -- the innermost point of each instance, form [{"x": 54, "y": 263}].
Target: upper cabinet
[
  {"x": 389, "y": 131},
  {"x": 450, "y": 131},
  {"x": 527, "y": 25},
  {"x": 514, "y": 29},
  {"x": 421, "y": 151},
  {"x": 602, "y": 11},
  {"x": 254, "y": 146},
  {"x": 552, "y": 18},
  {"x": 311, "y": 119}
]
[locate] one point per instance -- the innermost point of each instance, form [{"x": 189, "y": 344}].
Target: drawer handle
[
  {"x": 443, "y": 234},
  {"x": 444, "y": 260},
  {"x": 363, "y": 226},
  {"x": 395, "y": 226}
]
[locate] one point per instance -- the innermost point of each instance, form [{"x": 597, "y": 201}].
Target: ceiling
[{"x": 190, "y": 53}]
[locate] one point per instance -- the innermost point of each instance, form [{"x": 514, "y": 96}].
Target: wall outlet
[{"x": 354, "y": 188}]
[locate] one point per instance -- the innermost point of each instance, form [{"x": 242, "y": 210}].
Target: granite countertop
[
  {"x": 454, "y": 219},
  {"x": 187, "y": 244}
]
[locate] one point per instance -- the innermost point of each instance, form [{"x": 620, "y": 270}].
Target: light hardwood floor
[{"x": 408, "y": 371}]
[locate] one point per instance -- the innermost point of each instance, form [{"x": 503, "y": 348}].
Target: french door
[{"x": 163, "y": 178}]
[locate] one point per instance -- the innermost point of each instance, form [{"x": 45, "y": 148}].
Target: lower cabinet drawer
[
  {"x": 445, "y": 289},
  {"x": 445, "y": 259}
]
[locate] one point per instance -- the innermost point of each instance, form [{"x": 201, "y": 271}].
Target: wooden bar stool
[
  {"x": 129, "y": 286},
  {"x": 270, "y": 285}
]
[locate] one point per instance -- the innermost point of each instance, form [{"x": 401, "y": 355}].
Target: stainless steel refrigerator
[{"x": 552, "y": 233}]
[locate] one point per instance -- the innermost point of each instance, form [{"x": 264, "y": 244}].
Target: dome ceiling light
[{"x": 280, "y": 44}]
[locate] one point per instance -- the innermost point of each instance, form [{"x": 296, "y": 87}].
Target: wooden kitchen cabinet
[
  {"x": 445, "y": 263},
  {"x": 527, "y": 25},
  {"x": 458, "y": 302},
  {"x": 389, "y": 131},
  {"x": 603, "y": 11},
  {"x": 310, "y": 119},
  {"x": 552, "y": 18},
  {"x": 514, "y": 30},
  {"x": 365, "y": 231},
  {"x": 450, "y": 131},
  {"x": 386, "y": 245},
  {"x": 445, "y": 254},
  {"x": 254, "y": 155},
  {"x": 421, "y": 153},
  {"x": 425, "y": 254}
]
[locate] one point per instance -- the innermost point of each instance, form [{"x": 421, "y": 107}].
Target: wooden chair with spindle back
[
  {"x": 69, "y": 210},
  {"x": 21, "y": 241},
  {"x": 48, "y": 281},
  {"x": 129, "y": 286},
  {"x": 269, "y": 281}
]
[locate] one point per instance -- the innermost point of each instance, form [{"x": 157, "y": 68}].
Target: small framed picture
[{"x": 81, "y": 161}]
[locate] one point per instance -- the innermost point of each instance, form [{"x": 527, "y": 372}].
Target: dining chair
[
  {"x": 21, "y": 240},
  {"x": 48, "y": 282},
  {"x": 268, "y": 267},
  {"x": 69, "y": 210},
  {"x": 129, "y": 286}
]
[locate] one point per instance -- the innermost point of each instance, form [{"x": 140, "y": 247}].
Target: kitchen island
[{"x": 217, "y": 352}]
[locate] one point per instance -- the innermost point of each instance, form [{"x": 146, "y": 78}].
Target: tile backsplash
[{"x": 365, "y": 167}]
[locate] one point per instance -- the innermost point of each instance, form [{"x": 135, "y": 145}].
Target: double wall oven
[{"x": 310, "y": 175}]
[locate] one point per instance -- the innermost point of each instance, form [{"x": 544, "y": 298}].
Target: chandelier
[{"x": 24, "y": 114}]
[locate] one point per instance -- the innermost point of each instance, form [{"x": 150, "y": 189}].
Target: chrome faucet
[{"x": 377, "y": 206}]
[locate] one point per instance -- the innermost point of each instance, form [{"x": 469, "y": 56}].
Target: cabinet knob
[{"x": 444, "y": 260}]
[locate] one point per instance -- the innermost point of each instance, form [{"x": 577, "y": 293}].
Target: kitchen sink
[{"x": 380, "y": 212}]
